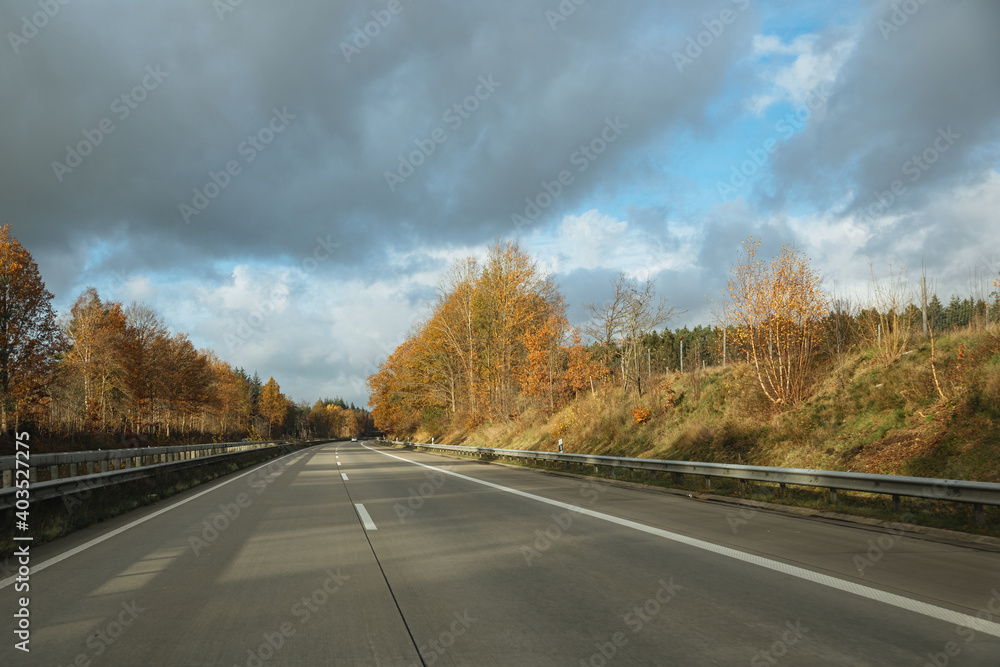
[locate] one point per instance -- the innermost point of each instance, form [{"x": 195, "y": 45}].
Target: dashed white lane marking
[
  {"x": 923, "y": 608},
  {"x": 365, "y": 517}
]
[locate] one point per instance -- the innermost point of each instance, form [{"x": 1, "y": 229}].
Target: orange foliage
[
  {"x": 496, "y": 334},
  {"x": 640, "y": 414},
  {"x": 29, "y": 337}
]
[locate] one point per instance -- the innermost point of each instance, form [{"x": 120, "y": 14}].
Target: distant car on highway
[{"x": 354, "y": 439}]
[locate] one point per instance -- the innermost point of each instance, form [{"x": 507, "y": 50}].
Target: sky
[{"x": 289, "y": 182}]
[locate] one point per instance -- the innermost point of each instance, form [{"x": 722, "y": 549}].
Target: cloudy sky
[{"x": 287, "y": 182}]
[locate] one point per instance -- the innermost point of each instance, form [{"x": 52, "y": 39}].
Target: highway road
[{"x": 360, "y": 554}]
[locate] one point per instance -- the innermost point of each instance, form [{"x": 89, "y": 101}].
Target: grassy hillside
[{"x": 864, "y": 414}]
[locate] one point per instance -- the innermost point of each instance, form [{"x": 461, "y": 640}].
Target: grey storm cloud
[
  {"x": 173, "y": 141},
  {"x": 270, "y": 127},
  {"x": 917, "y": 103}
]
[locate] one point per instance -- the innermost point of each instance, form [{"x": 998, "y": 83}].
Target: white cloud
[
  {"x": 946, "y": 235},
  {"x": 814, "y": 66},
  {"x": 595, "y": 240}
]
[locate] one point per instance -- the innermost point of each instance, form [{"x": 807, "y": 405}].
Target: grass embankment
[
  {"x": 56, "y": 517},
  {"x": 865, "y": 413}
]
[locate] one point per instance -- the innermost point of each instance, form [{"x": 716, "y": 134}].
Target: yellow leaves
[
  {"x": 774, "y": 311},
  {"x": 640, "y": 414},
  {"x": 496, "y": 333},
  {"x": 273, "y": 404}
]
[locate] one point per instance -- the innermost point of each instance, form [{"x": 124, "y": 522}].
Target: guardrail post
[
  {"x": 73, "y": 470},
  {"x": 782, "y": 490},
  {"x": 53, "y": 472},
  {"x": 980, "y": 514},
  {"x": 895, "y": 503},
  {"x": 8, "y": 478},
  {"x": 33, "y": 475},
  {"x": 708, "y": 483},
  {"x": 833, "y": 496}
]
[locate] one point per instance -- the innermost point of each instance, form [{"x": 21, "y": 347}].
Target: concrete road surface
[{"x": 359, "y": 554}]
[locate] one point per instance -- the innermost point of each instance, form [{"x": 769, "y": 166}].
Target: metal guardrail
[
  {"x": 64, "y": 465},
  {"x": 976, "y": 493},
  {"x": 128, "y": 468}
]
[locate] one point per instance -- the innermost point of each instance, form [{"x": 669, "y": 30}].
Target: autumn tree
[
  {"x": 228, "y": 395},
  {"x": 29, "y": 336},
  {"x": 513, "y": 296},
  {"x": 496, "y": 335},
  {"x": 887, "y": 326},
  {"x": 775, "y": 312},
  {"x": 583, "y": 370},
  {"x": 273, "y": 406},
  {"x": 542, "y": 374},
  {"x": 97, "y": 360},
  {"x": 624, "y": 321},
  {"x": 644, "y": 311},
  {"x": 607, "y": 320},
  {"x": 392, "y": 397},
  {"x": 454, "y": 322},
  {"x": 149, "y": 343}
]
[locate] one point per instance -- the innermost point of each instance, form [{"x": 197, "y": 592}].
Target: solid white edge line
[
  {"x": 923, "y": 608},
  {"x": 366, "y": 518},
  {"x": 344, "y": 476},
  {"x": 118, "y": 531}
]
